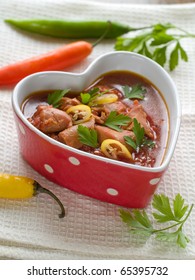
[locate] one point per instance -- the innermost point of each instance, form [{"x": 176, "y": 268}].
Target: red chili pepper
[{"x": 58, "y": 59}]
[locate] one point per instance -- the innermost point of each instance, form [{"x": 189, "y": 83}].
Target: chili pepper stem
[
  {"x": 40, "y": 189},
  {"x": 103, "y": 35}
]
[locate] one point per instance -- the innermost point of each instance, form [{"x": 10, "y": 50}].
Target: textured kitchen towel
[{"x": 92, "y": 229}]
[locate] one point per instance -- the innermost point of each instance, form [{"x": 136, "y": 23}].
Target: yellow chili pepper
[
  {"x": 114, "y": 149},
  {"x": 79, "y": 113},
  {"x": 20, "y": 187},
  {"x": 105, "y": 98}
]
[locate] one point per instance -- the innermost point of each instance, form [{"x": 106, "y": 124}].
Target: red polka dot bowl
[{"x": 104, "y": 179}]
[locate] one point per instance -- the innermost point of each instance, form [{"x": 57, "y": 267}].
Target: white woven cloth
[{"x": 31, "y": 229}]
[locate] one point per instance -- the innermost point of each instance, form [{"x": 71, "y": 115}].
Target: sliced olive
[
  {"x": 115, "y": 150},
  {"x": 79, "y": 113}
]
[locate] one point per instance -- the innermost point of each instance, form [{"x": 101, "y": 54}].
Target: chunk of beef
[
  {"x": 118, "y": 106},
  {"x": 70, "y": 137},
  {"x": 100, "y": 114},
  {"x": 49, "y": 119},
  {"x": 67, "y": 102},
  {"x": 108, "y": 133}
]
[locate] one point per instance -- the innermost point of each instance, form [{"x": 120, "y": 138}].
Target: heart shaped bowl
[{"x": 98, "y": 177}]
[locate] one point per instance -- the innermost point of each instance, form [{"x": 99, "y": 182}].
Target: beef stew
[{"x": 121, "y": 116}]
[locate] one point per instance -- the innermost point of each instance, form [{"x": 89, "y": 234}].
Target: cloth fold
[{"x": 92, "y": 229}]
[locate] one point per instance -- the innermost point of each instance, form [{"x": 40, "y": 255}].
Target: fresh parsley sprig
[
  {"x": 55, "y": 97},
  {"x": 88, "y": 136},
  {"x": 176, "y": 215},
  {"x": 86, "y": 97},
  {"x": 156, "y": 43},
  {"x": 91, "y": 96},
  {"x": 115, "y": 120},
  {"x": 135, "y": 92},
  {"x": 140, "y": 139},
  {"x": 139, "y": 132}
]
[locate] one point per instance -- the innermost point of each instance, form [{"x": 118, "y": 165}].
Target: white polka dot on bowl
[
  {"x": 48, "y": 168},
  {"x": 74, "y": 160},
  {"x": 21, "y": 129},
  {"x": 112, "y": 191},
  {"x": 154, "y": 181}
]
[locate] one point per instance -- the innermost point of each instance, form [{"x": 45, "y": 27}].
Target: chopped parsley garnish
[
  {"x": 148, "y": 142},
  {"x": 88, "y": 136},
  {"x": 115, "y": 121},
  {"x": 55, "y": 97},
  {"x": 130, "y": 142},
  {"x": 86, "y": 97},
  {"x": 135, "y": 92},
  {"x": 139, "y": 132},
  {"x": 140, "y": 139}
]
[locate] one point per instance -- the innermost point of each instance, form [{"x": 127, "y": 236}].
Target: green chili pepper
[{"x": 70, "y": 29}]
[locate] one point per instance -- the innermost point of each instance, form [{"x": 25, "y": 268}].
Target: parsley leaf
[
  {"x": 87, "y": 136},
  {"x": 115, "y": 121},
  {"x": 138, "y": 131},
  {"x": 166, "y": 236},
  {"x": 182, "y": 239},
  {"x": 174, "y": 57},
  {"x": 140, "y": 139},
  {"x": 139, "y": 135},
  {"x": 162, "y": 204},
  {"x": 177, "y": 236},
  {"x": 159, "y": 55},
  {"x": 183, "y": 53},
  {"x": 138, "y": 221},
  {"x": 130, "y": 142},
  {"x": 154, "y": 42},
  {"x": 90, "y": 97},
  {"x": 136, "y": 91},
  {"x": 148, "y": 142},
  {"x": 85, "y": 97},
  {"x": 55, "y": 97},
  {"x": 179, "y": 207}
]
